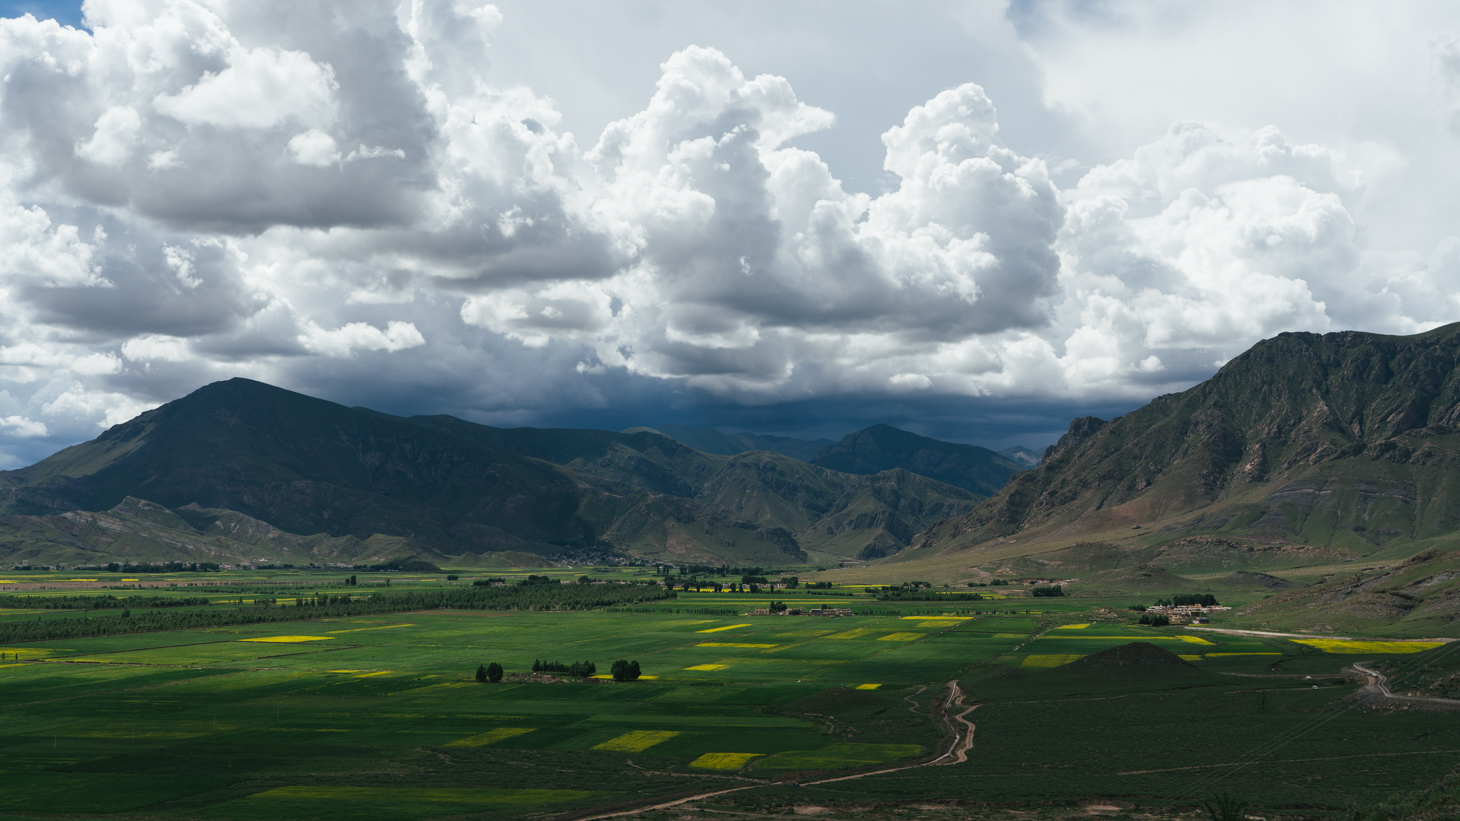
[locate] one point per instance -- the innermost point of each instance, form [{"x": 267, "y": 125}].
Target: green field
[{"x": 379, "y": 716}]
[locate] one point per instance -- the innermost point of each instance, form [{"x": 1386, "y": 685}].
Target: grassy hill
[{"x": 1416, "y": 597}]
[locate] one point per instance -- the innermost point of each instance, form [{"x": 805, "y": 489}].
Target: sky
[{"x": 973, "y": 220}]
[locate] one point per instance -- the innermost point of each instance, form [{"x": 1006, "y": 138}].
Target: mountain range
[
  {"x": 1346, "y": 444},
  {"x": 1306, "y": 450},
  {"x": 243, "y": 469}
]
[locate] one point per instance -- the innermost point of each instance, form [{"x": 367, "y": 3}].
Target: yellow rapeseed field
[
  {"x": 362, "y": 629},
  {"x": 936, "y": 618},
  {"x": 636, "y": 741},
  {"x": 1072, "y": 626},
  {"x": 730, "y": 644},
  {"x": 868, "y": 686},
  {"x": 1386, "y": 647},
  {"x": 289, "y": 639},
  {"x": 490, "y": 737},
  {"x": 858, "y": 633},
  {"x": 718, "y": 629},
  {"x": 1048, "y": 659},
  {"x": 722, "y": 761},
  {"x": 901, "y": 637},
  {"x": 706, "y": 668}
]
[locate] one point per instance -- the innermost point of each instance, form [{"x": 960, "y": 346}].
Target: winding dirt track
[
  {"x": 1378, "y": 682},
  {"x": 957, "y": 754}
]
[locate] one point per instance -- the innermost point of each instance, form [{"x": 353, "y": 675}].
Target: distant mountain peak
[
  {"x": 884, "y": 447},
  {"x": 710, "y": 440}
]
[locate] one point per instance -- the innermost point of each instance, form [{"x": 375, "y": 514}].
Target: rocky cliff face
[{"x": 1349, "y": 440}]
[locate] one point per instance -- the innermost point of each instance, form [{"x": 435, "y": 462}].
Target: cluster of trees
[
  {"x": 107, "y": 602},
  {"x": 1155, "y": 621},
  {"x": 625, "y": 670},
  {"x": 578, "y": 669},
  {"x": 991, "y": 583},
  {"x": 818, "y": 585},
  {"x": 701, "y": 584},
  {"x": 1047, "y": 590},
  {"x": 541, "y": 597},
  {"x": 622, "y": 670},
  {"x": 352, "y": 582},
  {"x": 918, "y": 591},
  {"x": 488, "y": 582},
  {"x": 709, "y": 570},
  {"x": 534, "y": 580},
  {"x": 778, "y": 607},
  {"x": 164, "y": 567},
  {"x": 1189, "y": 600}
]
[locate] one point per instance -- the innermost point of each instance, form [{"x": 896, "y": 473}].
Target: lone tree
[
  {"x": 623, "y": 670},
  {"x": 481, "y": 673},
  {"x": 494, "y": 672}
]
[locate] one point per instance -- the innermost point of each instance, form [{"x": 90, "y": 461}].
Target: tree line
[
  {"x": 535, "y": 597},
  {"x": 920, "y": 594},
  {"x": 149, "y": 567},
  {"x": 1189, "y": 600},
  {"x": 107, "y": 602}
]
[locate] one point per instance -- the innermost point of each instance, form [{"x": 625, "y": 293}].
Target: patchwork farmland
[{"x": 379, "y": 715}]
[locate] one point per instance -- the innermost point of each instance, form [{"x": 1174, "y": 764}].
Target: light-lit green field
[{"x": 379, "y": 716}]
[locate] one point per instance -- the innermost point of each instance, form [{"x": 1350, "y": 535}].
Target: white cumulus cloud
[{"x": 343, "y": 197}]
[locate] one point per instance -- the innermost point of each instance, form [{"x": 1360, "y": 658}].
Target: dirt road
[
  {"x": 961, "y": 728},
  {"x": 1379, "y": 683}
]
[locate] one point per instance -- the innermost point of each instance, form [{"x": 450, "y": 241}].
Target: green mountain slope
[
  {"x": 883, "y": 447},
  {"x": 327, "y": 479},
  {"x": 1346, "y": 441},
  {"x": 309, "y": 466}
]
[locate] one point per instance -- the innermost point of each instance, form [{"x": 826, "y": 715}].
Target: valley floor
[{"x": 380, "y": 716}]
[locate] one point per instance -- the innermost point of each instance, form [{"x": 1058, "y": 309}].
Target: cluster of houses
[
  {"x": 825, "y": 612},
  {"x": 1186, "y": 613}
]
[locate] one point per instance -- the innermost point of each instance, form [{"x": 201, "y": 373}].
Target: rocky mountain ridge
[{"x": 1345, "y": 441}]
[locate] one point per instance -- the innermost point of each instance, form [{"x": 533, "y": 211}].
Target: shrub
[
  {"x": 481, "y": 673},
  {"x": 1225, "y": 808}
]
